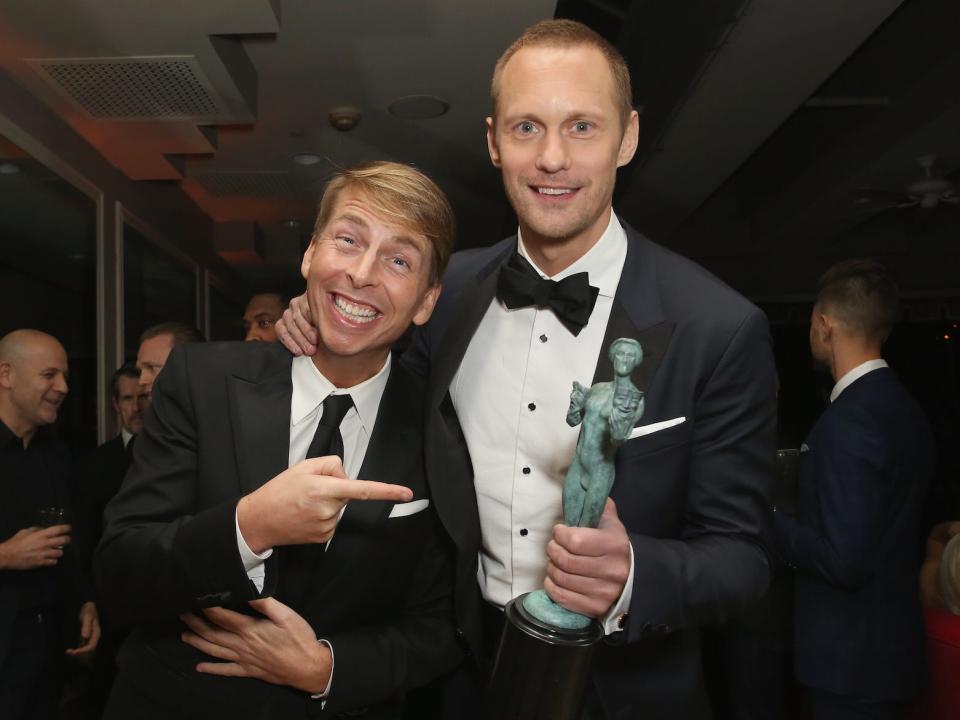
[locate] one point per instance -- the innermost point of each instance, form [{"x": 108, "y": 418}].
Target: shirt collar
[
  {"x": 311, "y": 388},
  {"x": 603, "y": 262},
  {"x": 126, "y": 435},
  {"x": 853, "y": 375}
]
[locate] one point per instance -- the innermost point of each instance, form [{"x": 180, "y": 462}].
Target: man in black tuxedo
[
  {"x": 682, "y": 543},
  {"x": 291, "y": 601},
  {"x": 855, "y": 540}
]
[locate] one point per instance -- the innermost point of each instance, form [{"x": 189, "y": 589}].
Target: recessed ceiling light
[
  {"x": 306, "y": 158},
  {"x": 8, "y": 169},
  {"x": 418, "y": 107}
]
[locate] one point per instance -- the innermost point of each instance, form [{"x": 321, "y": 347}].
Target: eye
[
  {"x": 400, "y": 262},
  {"x": 345, "y": 240},
  {"x": 581, "y": 126},
  {"x": 526, "y": 128},
  {"x": 265, "y": 323}
]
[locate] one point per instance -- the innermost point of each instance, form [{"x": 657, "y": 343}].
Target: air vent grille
[{"x": 133, "y": 88}]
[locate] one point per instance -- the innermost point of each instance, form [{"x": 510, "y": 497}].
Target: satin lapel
[
  {"x": 637, "y": 314},
  {"x": 470, "y": 308},
  {"x": 260, "y": 413}
]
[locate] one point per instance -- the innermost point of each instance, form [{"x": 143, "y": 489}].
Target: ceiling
[{"x": 775, "y": 136}]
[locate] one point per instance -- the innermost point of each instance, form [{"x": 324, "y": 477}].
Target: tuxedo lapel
[
  {"x": 636, "y": 314},
  {"x": 260, "y": 414},
  {"x": 471, "y": 305}
]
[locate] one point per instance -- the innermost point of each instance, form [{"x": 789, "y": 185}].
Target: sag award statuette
[{"x": 542, "y": 663}]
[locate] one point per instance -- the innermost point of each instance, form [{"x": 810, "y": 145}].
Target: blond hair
[
  {"x": 566, "y": 34},
  {"x": 404, "y": 195}
]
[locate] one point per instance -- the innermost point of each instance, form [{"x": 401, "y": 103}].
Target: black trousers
[{"x": 31, "y": 674}]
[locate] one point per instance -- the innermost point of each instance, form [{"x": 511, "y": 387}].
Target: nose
[
  {"x": 362, "y": 271},
  {"x": 253, "y": 336},
  {"x": 553, "y": 156},
  {"x": 61, "y": 385}
]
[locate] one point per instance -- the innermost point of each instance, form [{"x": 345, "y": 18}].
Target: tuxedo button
[
  {"x": 543, "y": 338},
  {"x": 526, "y": 470},
  {"x": 523, "y": 532},
  {"x": 531, "y": 406}
]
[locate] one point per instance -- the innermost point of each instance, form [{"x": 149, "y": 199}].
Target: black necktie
[
  {"x": 327, "y": 440},
  {"x": 571, "y": 299}
]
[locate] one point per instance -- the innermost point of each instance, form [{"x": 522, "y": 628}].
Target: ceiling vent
[
  {"x": 248, "y": 184},
  {"x": 155, "y": 88}
]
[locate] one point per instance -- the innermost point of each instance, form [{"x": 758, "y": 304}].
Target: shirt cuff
[
  {"x": 614, "y": 620},
  {"x": 253, "y": 563},
  {"x": 326, "y": 691}
]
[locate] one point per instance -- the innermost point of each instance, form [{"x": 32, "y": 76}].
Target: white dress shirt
[
  {"x": 310, "y": 389},
  {"x": 511, "y": 393},
  {"x": 853, "y": 375},
  {"x": 126, "y": 436}
]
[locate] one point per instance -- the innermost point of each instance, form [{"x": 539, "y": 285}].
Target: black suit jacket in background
[
  {"x": 694, "y": 498},
  {"x": 864, "y": 470},
  {"x": 96, "y": 479},
  {"x": 218, "y": 428}
]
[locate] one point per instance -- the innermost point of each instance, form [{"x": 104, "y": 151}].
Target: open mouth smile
[
  {"x": 355, "y": 312},
  {"x": 554, "y": 193}
]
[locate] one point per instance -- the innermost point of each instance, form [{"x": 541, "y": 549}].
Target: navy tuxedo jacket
[
  {"x": 856, "y": 540},
  {"x": 694, "y": 498},
  {"x": 218, "y": 428}
]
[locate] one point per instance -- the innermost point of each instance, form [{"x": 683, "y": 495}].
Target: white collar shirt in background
[{"x": 853, "y": 375}]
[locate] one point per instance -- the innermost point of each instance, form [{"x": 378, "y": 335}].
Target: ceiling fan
[{"x": 927, "y": 192}]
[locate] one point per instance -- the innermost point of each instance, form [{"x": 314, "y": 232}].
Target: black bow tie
[{"x": 571, "y": 299}]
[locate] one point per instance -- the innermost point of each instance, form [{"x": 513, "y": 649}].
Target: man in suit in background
[
  {"x": 40, "y": 576},
  {"x": 261, "y": 315},
  {"x": 855, "y": 539},
  {"x": 156, "y": 342},
  {"x": 682, "y": 543},
  {"x": 221, "y": 513}
]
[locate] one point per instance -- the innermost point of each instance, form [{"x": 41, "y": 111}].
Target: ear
[
  {"x": 492, "y": 143},
  {"x": 631, "y": 136},
  {"x": 116, "y": 405},
  {"x": 6, "y": 374},
  {"x": 427, "y": 304},
  {"x": 824, "y": 326},
  {"x": 308, "y": 257}
]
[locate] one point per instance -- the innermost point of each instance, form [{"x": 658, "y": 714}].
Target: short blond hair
[
  {"x": 566, "y": 34},
  {"x": 404, "y": 195}
]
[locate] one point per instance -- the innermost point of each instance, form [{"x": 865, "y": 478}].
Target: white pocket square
[
  {"x": 404, "y": 509},
  {"x": 654, "y": 427}
]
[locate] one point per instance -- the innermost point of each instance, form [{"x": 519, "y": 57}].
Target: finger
[
  {"x": 211, "y": 633},
  {"x": 330, "y": 465},
  {"x": 228, "y": 619},
  {"x": 208, "y": 648},
  {"x": 603, "y": 588},
  {"x": 285, "y": 338},
  {"x": 370, "y": 490},
  {"x": 589, "y": 542},
  {"x": 57, "y": 541},
  {"x": 272, "y": 609},
  {"x": 304, "y": 320},
  {"x": 226, "y": 669},
  {"x": 56, "y": 530},
  {"x": 583, "y": 565},
  {"x": 573, "y": 601}
]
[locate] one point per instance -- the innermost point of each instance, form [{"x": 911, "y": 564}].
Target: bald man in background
[{"x": 39, "y": 573}]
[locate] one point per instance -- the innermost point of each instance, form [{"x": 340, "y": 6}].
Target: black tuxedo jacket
[
  {"x": 694, "y": 497},
  {"x": 218, "y": 428},
  {"x": 855, "y": 541}
]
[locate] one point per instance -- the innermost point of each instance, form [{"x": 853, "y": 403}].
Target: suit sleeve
[
  {"x": 159, "y": 557},
  {"x": 853, "y": 494},
  {"x": 718, "y": 565}
]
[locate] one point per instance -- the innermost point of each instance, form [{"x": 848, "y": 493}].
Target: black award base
[{"x": 539, "y": 672}]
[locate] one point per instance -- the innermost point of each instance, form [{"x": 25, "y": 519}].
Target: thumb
[
  {"x": 610, "y": 517},
  {"x": 330, "y": 465},
  {"x": 271, "y": 608}
]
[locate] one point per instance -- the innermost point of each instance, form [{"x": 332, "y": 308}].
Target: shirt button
[
  {"x": 526, "y": 470},
  {"x": 543, "y": 338},
  {"x": 523, "y": 532},
  {"x": 531, "y": 406}
]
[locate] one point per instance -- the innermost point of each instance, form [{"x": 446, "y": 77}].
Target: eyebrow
[{"x": 361, "y": 222}]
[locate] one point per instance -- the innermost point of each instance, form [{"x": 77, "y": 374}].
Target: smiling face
[
  {"x": 35, "y": 381},
  {"x": 367, "y": 279},
  {"x": 558, "y": 138}
]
